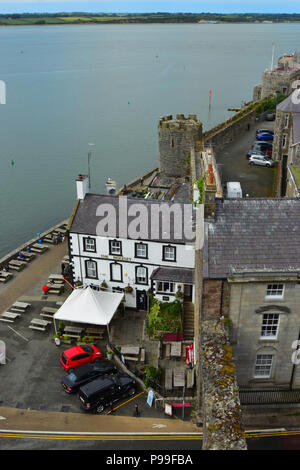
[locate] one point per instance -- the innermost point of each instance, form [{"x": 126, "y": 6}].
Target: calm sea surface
[{"x": 68, "y": 86}]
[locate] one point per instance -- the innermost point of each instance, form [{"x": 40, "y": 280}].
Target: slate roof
[
  {"x": 86, "y": 221},
  {"x": 252, "y": 234},
  {"x": 296, "y": 128},
  {"x": 184, "y": 275},
  {"x": 288, "y": 105}
]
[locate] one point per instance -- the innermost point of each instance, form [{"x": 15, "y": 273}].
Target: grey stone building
[
  {"x": 251, "y": 276},
  {"x": 286, "y": 144},
  {"x": 279, "y": 79}
]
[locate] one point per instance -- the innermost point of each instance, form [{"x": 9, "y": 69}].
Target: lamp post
[{"x": 89, "y": 164}]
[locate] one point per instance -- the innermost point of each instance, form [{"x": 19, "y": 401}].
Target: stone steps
[{"x": 188, "y": 320}]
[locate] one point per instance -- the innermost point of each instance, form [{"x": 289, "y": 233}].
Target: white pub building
[{"x": 132, "y": 245}]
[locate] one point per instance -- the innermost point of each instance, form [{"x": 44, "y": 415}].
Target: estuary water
[{"x": 71, "y": 86}]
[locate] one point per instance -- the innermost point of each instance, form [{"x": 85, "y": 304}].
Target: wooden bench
[
  {"x": 49, "y": 310},
  {"x": 34, "y": 327},
  {"x": 10, "y": 315},
  {"x": 6, "y": 319},
  {"x": 131, "y": 358}
]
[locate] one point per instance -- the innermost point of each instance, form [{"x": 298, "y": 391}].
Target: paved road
[{"x": 257, "y": 181}]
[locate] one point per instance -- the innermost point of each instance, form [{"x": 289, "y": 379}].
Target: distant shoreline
[
  {"x": 91, "y": 23},
  {"x": 74, "y": 18}
]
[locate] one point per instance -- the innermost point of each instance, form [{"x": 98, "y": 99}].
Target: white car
[{"x": 263, "y": 160}]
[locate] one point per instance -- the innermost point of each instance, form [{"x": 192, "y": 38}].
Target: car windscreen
[
  {"x": 63, "y": 358},
  {"x": 72, "y": 377},
  {"x": 87, "y": 349}
]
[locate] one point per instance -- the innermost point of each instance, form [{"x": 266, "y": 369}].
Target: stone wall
[
  {"x": 221, "y": 409},
  {"x": 226, "y": 132}
]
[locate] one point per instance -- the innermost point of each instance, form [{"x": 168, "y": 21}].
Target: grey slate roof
[
  {"x": 184, "y": 275},
  {"x": 86, "y": 221},
  {"x": 296, "y": 128},
  {"x": 252, "y": 234},
  {"x": 288, "y": 105}
]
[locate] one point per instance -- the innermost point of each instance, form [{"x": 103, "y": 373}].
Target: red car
[{"x": 79, "y": 355}]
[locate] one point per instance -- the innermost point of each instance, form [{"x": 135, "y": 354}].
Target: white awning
[{"x": 89, "y": 306}]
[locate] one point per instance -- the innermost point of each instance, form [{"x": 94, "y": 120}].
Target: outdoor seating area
[
  {"x": 28, "y": 254},
  {"x": 14, "y": 312},
  {"x": 38, "y": 324}
]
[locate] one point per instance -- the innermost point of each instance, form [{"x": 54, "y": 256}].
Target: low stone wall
[
  {"x": 225, "y": 133},
  {"x": 5, "y": 259},
  {"x": 221, "y": 410}
]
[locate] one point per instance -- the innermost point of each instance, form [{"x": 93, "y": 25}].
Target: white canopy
[{"x": 89, "y": 306}]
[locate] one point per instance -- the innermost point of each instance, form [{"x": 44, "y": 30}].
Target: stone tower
[{"x": 176, "y": 137}]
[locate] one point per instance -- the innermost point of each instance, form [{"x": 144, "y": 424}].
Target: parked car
[
  {"x": 98, "y": 394},
  {"x": 234, "y": 190},
  {"x": 262, "y": 160},
  {"x": 261, "y": 147},
  {"x": 264, "y": 136},
  {"x": 267, "y": 131},
  {"x": 86, "y": 373},
  {"x": 79, "y": 355}
]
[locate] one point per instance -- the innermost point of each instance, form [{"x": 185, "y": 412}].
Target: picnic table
[
  {"x": 9, "y": 316},
  {"x": 17, "y": 265},
  {"x": 48, "y": 312},
  {"x": 20, "y": 306},
  {"x": 73, "y": 331},
  {"x": 56, "y": 277},
  {"x": 175, "y": 349},
  {"x": 130, "y": 353},
  {"x": 38, "y": 324},
  {"x": 39, "y": 247},
  {"x": 4, "y": 276},
  {"x": 95, "y": 332},
  {"x": 29, "y": 256}
]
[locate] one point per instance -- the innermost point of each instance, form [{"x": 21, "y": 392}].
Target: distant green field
[{"x": 79, "y": 17}]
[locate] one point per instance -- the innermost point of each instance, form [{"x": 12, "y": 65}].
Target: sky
[{"x": 143, "y": 6}]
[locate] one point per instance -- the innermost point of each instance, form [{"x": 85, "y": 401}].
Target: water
[{"x": 68, "y": 86}]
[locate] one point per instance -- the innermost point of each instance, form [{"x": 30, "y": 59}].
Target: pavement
[{"x": 33, "y": 420}]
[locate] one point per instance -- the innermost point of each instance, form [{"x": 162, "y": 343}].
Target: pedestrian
[
  {"x": 136, "y": 410},
  {"x": 62, "y": 268},
  {"x": 28, "y": 249},
  {"x": 6, "y": 267},
  {"x": 111, "y": 407}
]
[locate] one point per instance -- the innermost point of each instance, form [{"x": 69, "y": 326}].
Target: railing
[{"x": 269, "y": 397}]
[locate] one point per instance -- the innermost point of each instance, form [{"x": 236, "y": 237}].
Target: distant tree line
[{"x": 158, "y": 17}]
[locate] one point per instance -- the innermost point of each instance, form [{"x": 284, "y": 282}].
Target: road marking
[
  {"x": 165, "y": 437},
  {"x": 135, "y": 396},
  {"x": 19, "y": 334},
  {"x": 159, "y": 426}
]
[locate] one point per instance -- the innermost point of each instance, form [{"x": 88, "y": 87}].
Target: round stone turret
[{"x": 176, "y": 138}]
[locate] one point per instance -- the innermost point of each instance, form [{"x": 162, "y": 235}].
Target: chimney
[{"x": 82, "y": 186}]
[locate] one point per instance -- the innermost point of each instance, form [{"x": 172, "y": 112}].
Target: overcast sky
[{"x": 140, "y": 6}]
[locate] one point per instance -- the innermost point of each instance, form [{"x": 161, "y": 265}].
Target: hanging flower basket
[{"x": 128, "y": 289}]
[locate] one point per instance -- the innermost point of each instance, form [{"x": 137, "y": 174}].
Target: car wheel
[
  {"x": 268, "y": 165},
  {"x": 99, "y": 408},
  {"x": 251, "y": 163}
]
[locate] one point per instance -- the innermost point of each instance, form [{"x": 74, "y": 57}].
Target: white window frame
[
  {"x": 263, "y": 362},
  {"x": 91, "y": 271},
  {"x": 113, "y": 274},
  {"x": 115, "y": 247},
  {"x": 141, "y": 279},
  {"x": 269, "y": 326},
  {"x": 167, "y": 250},
  {"x": 90, "y": 244},
  {"x": 164, "y": 289},
  {"x": 142, "y": 247},
  {"x": 273, "y": 292},
  {"x": 286, "y": 121},
  {"x": 284, "y": 140}
]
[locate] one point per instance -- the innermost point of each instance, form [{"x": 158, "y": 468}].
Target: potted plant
[
  {"x": 78, "y": 283},
  {"x": 104, "y": 285},
  {"x": 128, "y": 289},
  {"x": 179, "y": 294},
  {"x": 109, "y": 354},
  {"x": 67, "y": 339}
]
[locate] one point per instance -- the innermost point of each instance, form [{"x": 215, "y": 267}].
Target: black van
[{"x": 98, "y": 394}]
